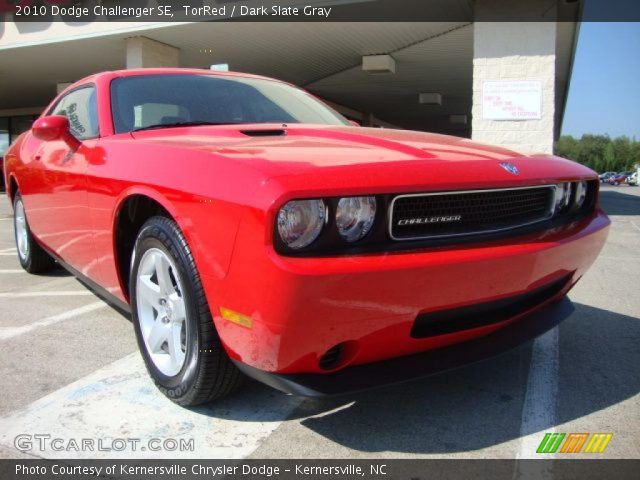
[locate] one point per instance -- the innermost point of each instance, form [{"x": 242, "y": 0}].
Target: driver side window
[{"x": 80, "y": 107}]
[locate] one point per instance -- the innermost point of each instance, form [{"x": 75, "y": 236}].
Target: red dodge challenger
[{"x": 252, "y": 230}]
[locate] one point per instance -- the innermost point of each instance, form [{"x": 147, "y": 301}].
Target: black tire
[
  {"x": 207, "y": 374},
  {"x": 36, "y": 259}
]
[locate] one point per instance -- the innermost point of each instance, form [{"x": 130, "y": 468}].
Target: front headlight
[
  {"x": 355, "y": 216},
  {"x": 300, "y": 222},
  {"x": 581, "y": 193},
  {"x": 563, "y": 195}
]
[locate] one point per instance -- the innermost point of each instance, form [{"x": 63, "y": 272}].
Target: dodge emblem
[{"x": 510, "y": 167}]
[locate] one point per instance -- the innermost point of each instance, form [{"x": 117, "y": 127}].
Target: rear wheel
[
  {"x": 32, "y": 256},
  {"x": 173, "y": 324}
]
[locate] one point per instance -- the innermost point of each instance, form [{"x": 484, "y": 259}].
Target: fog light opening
[
  {"x": 339, "y": 356},
  {"x": 331, "y": 358}
]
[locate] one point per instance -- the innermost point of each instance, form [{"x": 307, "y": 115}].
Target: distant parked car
[
  {"x": 618, "y": 178},
  {"x": 604, "y": 177},
  {"x": 633, "y": 179}
]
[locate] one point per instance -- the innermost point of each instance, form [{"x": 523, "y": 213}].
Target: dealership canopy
[{"x": 499, "y": 82}]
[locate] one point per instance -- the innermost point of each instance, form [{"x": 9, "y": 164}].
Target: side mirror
[
  {"x": 354, "y": 123},
  {"x": 54, "y": 127}
]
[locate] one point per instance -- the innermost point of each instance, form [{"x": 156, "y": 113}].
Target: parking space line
[
  {"x": 540, "y": 401},
  {"x": 230, "y": 428},
  {"x": 10, "y": 332},
  {"x": 10, "y": 249},
  {"x": 12, "y": 270},
  {"x": 70, "y": 293},
  {"x": 635, "y": 225}
]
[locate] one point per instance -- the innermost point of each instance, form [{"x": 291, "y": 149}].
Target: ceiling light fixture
[
  {"x": 430, "y": 98},
  {"x": 458, "y": 119},
  {"x": 378, "y": 64}
]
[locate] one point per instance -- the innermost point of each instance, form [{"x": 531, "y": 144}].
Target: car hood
[
  {"x": 343, "y": 156},
  {"x": 323, "y": 146}
]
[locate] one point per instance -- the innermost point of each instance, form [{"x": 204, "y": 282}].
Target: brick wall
[{"x": 515, "y": 51}]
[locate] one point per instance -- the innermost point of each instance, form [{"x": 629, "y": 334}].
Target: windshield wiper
[{"x": 180, "y": 124}]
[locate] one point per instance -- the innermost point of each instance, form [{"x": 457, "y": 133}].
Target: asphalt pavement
[{"x": 71, "y": 371}]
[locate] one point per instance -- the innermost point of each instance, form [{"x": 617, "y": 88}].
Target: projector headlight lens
[
  {"x": 581, "y": 193},
  {"x": 563, "y": 195},
  {"x": 355, "y": 216},
  {"x": 300, "y": 222}
]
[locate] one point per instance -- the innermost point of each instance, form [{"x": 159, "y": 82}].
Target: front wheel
[
  {"x": 173, "y": 324},
  {"x": 32, "y": 256}
]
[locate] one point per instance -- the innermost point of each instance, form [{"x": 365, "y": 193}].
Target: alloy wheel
[
  {"x": 162, "y": 311},
  {"x": 22, "y": 235}
]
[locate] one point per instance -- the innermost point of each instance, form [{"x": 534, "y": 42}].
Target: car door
[{"x": 56, "y": 197}]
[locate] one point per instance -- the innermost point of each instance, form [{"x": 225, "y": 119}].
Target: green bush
[{"x": 600, "y": 152}]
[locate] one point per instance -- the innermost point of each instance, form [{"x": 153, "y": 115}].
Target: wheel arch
[
  {"x": 12, "y": 187},
  {"x": 133, "y": 210}
]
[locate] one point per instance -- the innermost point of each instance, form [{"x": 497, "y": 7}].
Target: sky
[{"x": 604, "y": 94}]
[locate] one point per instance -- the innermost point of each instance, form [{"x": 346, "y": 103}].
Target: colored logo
[
  {"x": 510, "y": 167},
  {"x": 574, "y": 442}
]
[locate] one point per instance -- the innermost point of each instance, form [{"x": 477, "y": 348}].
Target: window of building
[
  {"x": 11, "y": 128},
  {"x": 5, "y": 135},
  {"x": 20, "y": 125}
]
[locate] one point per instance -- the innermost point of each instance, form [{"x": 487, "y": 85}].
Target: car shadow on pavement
[
  {"x": 481, "y": 405},
  {"x": 55, "y": 272},
  {"x": 620, "y": 203}
]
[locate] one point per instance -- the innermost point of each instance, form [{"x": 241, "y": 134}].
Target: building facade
[{"x": 500, "y": 82}]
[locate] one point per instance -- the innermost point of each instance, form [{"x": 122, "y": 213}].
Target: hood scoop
[{"x": 261, "y": 132}]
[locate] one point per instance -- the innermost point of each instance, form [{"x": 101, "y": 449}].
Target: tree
[{"x": 600, "y": 152}]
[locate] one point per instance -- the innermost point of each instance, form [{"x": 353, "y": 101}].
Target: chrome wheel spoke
[
  {"x": 178, "y": 308},
  {"x": 22, "y": 246},
  {"x": 157, "y": 336},
  {"x": 149, "y": 291},
  {"x": 163, "y": 275},
  {"x": 20, "y": 225},
  {"x": 175, "y": 345}
]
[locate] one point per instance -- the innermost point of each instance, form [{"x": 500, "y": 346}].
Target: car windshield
[{"x": 157, "y": 101}]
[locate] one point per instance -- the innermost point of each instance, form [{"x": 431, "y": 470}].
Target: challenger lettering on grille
[{"x": 420, "y": 221}]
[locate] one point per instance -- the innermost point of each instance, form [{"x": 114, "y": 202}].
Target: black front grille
[{"x": 433, "y": 215}]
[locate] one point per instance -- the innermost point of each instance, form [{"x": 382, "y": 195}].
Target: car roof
[{"x": 164, "y": 71}]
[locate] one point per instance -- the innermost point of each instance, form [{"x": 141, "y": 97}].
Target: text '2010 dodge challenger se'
[{"x": 252, "y": 230}]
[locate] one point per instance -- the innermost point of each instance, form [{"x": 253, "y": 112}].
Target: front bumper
[
  {"x": 412, "y": 367},
  {"x": 302, "y": 307}
]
